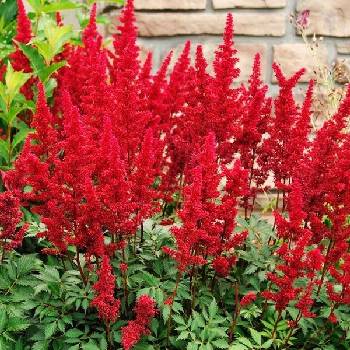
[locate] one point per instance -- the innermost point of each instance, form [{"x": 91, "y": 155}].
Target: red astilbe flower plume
[
  {"x": 282, "y": 149},
  {"x": 176, "y": 94},
  {"x": 159, "y": 97},
  {"x": 187, "y": 236},
  {"x": 323, "y": 167},
  {"x": 298, "y": 259},
  {"x": 189, "y": 128},
  {"x": 45, "y": 136},
  {"x": 145, "y": 310},
  {"x": 208, "y": 217},
  {"x": 104, "y": 301},
  {"x": 37, "y": 156},
  {"x": 86, "y": 78},
  {"x": 130, "y": 119},
  {"x": 24, "y": 31},
  {"x": 341, "y": 276},
  {"x": 252, "y": 125},
  {"x": 223, "y": 109},
  {"x": 247, "y": 299},
  {"x": 11, "y": 235},
  {"x": 142, "y": 178},
  {"x": 18, "y": 60},
  {"x": 291, "y": 229},
  {"x": 292, "y": 267},
  {"x": 113, "y": 189}
]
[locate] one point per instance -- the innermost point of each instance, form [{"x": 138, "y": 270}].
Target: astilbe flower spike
[
  {"x": 299, "y": 259},
  {"x": 145, "y": 310},
  {"x": 223, "y": 110},
  {"x": 86, "y": 78},
  {"x": 17, "y": 58},
  {"x": 281, "y": 150},
  {"x": 11, "y": 235},
  {"x": 251, "y": 128},
  {"x": 207, "y": 224},
  {"x": 104, "y": 301},
  {"x": 129, "y": 118},
  {"x": 142, "y": 178},
  {"x": 113, "y": 188},
  {"x": 188, "y": 234}
]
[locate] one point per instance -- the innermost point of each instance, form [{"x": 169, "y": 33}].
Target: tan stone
[
  {"x": 342, "y": 70},
  {"x": 245, "y": 53},
  {"x": 327, "y": 17},
  {"x": 343, "y": 47},
  {"x": 171, "y": 24},
  {"x": 226, "y": 4},
  {"x": 293, "y": 57},
  {"x": 170, "y": 4}
]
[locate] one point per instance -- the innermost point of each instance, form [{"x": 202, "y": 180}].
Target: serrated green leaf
[
  {"x": 267, "y": 344},
  {"x": 90, "y": 346},
  {"x": 36, "y": 60},
  {"x": 183, "y": 335},
  {"x": 17, "y": 324},
  {"x": 255, "y": 335},
  {"x": 46, "y": 72},
  {"x": 220, "y": 343},
  {"x": 20, "y": 137},
  {"x": 4, "y": 149},
  {"x": 178, "y": 319},
  {"x": 50, "y": 330},
  {"x": 166, "y": 313},
  {"x": 213, "y": 309},
  {"x": 246, "y": 342},
  {"x": 3, "y": 319},
  {"x": 238, "y": 347},
  {"x": 192, "y": 346}
]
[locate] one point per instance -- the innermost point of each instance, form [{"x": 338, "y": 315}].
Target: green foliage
[
  {"x": 8, "y": 11},
  {"x": 49, "y": 305}
]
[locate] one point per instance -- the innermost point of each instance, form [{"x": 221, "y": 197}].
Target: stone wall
[{"x": 260, "y": 26}]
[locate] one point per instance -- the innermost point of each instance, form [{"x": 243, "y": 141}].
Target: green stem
[
  {"x": 178, "y": 278},
  {"x": 325, "y": 266},
  {"x": 236, "y": 313},
  {"x": 83, "y": 277},
  {"x": 276, "y": 323}
]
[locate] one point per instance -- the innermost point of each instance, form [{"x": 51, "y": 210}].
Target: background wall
[{"x": 260, "y": 26}]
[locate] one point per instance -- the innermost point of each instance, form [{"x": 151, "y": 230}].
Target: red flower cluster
[
  {"x": 145, "y": 310},
  {"x": 10, "y": 217},
  {"x": 247, "y": 299},
  {"x": 18, "y": 60},
  {"x": 208, "y": 217},
  {"x": 116, "y": 130},
  {"x": 104, "y": 300}
]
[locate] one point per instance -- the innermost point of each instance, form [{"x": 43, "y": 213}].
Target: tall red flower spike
[
  {"x": 250, "y": 129},
  {"x": 11, "y": 235},
  {"x": 145, "y": 310},
  {"x": 223, "y": 110},
  {"x": 282, "y": 149},
  {"x": 18, "y": 60},
  {"x": 104, "y": 301}
]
